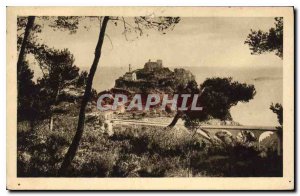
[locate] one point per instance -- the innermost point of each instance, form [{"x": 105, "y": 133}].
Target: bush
[{"x": 137, "y": 152}]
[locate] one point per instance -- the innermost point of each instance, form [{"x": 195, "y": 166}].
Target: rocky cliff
[{"x": 160, "y": 79}]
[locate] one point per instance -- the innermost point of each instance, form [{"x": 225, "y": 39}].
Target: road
[{"x": 160, "y": 124}]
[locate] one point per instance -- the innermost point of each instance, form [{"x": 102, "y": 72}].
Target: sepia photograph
[{"x": 140, "y": 95}]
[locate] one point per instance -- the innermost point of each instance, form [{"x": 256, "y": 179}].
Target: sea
[{"x": 268, "y": 83}]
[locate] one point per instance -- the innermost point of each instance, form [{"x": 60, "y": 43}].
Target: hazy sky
[{"x": 193, "y": 42}]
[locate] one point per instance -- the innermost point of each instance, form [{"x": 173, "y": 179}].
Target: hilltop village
[{"x": 154, "y": 77}]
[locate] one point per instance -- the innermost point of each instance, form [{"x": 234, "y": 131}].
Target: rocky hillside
[{"x": 159, "y": 79}]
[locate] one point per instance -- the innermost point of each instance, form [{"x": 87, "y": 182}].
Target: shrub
[{"x": 138, "y": 152}]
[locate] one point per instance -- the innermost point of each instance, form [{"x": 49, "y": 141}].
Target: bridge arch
[
  {"x": 269, "y": 141},
  {"x": 209, "y": 131}
]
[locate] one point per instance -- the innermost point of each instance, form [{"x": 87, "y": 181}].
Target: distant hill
[{"x": 154, "y": 78}]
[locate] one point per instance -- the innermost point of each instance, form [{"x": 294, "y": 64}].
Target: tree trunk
[
  {"x": 175, "y": 120},
  {"x": 32, "y": 125},
  {"x": 52, "y": 112},
  {"x": 28, "y": 28},
  {"x": 180, "y": 113},
  {"x": 80, "y": 127},
  {"x": 51, "y": 123},
  {"x": 280, "y": 142}
]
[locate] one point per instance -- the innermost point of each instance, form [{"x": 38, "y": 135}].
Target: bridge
[{"x": 209, "y": 131}]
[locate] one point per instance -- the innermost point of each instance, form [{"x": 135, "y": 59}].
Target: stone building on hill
[
  {"x": 152, "y": 77},
  {"x": 151, "y": 66},
  {"x": 130, "y": 75}
]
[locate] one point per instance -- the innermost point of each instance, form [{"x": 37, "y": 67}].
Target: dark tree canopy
[
  {"x": 217, "y": 96},
  {"x": 58, "y": 63},
  {"x": 82, "y": 79},
  {"x": 191, "y": 88},
  {"x": 278, "y": 110},
  {"x": 59, "y": 72},
  {"x": 260, "y": 42},
  {"x": 26, "y": 91}
]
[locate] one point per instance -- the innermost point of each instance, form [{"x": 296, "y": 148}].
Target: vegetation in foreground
[
  {"x": 138, "y": 152},
  {"x": 132, "y": 152}
]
